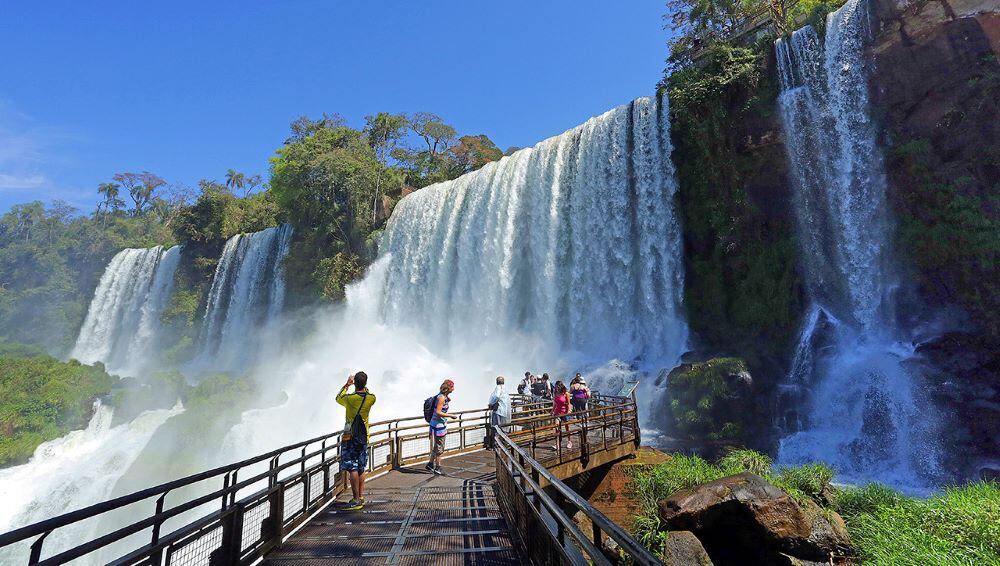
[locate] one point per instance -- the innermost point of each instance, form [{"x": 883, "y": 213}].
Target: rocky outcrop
[
  {"x": 963, "y": 371},
  {"x": 711, "y": 400},
  {"x": 682, "y": 548},
  {"x": 934, "y": 90},
  {"x": 743, "y": 519}
]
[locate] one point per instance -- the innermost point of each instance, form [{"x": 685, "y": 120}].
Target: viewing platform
[{"x": 503, "y": 505}]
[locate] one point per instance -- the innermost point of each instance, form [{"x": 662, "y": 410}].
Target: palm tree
[{"x": 235, "y": 179}]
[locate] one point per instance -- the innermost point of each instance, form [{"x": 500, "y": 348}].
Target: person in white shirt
[{"x": 499, "y": 405}]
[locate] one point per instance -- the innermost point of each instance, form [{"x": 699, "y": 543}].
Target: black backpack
[
  {"x": 358, "y": 428},
  {"x": 429, "y": 406}
]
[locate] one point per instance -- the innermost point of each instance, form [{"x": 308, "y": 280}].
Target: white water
[
  {"x": 69, "y": 473},
  {"x": 247, "y": 294},
  {"x": 865, "y": 415},
  {"x": 558, "y": 258},
  {"x": 574, "y": 241},
  {"x": 121, "y": 326}
]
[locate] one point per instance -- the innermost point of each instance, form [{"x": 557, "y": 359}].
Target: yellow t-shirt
[{"x": 352, "y": 402}]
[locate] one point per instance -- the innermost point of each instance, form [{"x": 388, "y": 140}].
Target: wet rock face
[
  {"x": 743, "y": 519},
  {"x": 963, "y": 372},
  {"x": 934, "y": 89}
]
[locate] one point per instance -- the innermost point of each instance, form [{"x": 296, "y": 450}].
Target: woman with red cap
[{"x": 439, "y": 425}]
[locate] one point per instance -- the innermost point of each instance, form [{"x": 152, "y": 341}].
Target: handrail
[
  {"x": 252, "y": 525},
  {"x": 514, "y": 464}
]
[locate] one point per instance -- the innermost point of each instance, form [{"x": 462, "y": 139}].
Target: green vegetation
[
  {"x": 960, "y": 526},
  {"x": 703, "y": 399},
  {"x": 741, "y": 291},
  {"x": 948, "y": 225},
  {"x": 51, "y": 260},
  {"x": 42, "y": 399},
  {"x": 337, "y": 186}
]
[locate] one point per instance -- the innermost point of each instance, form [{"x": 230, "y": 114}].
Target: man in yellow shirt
[{"x": 354, "y": 440}]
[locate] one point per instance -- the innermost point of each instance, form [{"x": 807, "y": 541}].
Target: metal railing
[
  {"x": 546, "y": 511},
  {"x": 261, "y": 501},
  {"x": 265, "y": 498}
]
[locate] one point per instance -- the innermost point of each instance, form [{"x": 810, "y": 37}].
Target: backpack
[
  {"x": 429, "y": 406},
  {"x": 358, "y": 428}
]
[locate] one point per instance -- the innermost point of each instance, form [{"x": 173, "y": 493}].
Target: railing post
[
  {"x": 155, "y": 558},
  {"x": 36, "y": 548},
  {"x": 225, "y": 488}
]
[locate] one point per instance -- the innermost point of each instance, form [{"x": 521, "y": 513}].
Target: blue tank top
[{"x": 439, "y": 426}]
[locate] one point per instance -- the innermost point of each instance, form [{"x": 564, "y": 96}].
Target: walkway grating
[{"x": 412, "y": 518}]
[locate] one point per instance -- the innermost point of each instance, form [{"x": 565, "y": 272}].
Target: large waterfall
[
  {"x": 247, "y": 294},
  {"x": 124, "y": 315},
  {"x": 574, "y": 240},
  {"x": 559, "y": 258},
  {"x": 865, "y": 414}
]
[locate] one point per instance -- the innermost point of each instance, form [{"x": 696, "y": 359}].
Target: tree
[
  {"x": 436, "y": 134},
  {"x": 304, "y": 126},
  {"x": 111, "y": 203},
  {"x": 141, "y": 188},
  {"x": 472, "y": 152},
  {"x": 383, "y": 132},
  {"x": 235, "y": 179}
]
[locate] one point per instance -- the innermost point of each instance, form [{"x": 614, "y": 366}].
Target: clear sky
[{"x": 190, "y": 89}]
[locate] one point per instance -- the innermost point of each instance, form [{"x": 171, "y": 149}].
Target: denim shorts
[{"x": 354, "y": 456}]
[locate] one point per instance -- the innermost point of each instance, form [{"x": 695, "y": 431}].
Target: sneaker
[
  {"x": 429, "y": 468},
  {"x": 438, "y": 471},
  {"x": 355, "y": 505}
]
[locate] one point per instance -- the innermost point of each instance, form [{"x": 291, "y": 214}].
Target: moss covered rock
[{"x": 712, "y": 399}]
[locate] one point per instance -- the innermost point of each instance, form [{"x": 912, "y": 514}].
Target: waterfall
[
  {"x": 247, "y": 294},
  {"x": 575, "y": 241},
  {"x": 865, "y": 414},
  {"x": 122, "y": 322},
  {"x": 70, "y": 473}
]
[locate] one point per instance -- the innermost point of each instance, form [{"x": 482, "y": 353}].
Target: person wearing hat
[
  {"x": 439, "y": 425},
  {"x": 579, "y": 393}
]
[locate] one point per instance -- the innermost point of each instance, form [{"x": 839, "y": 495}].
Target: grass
[
  {"x": 958, "y": 527},
  {"x": 961, "y": 526}
]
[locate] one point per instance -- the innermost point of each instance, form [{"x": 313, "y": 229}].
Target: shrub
[
  {"x": 744, "y": 460},
  {"x": 808, "y": 480}
]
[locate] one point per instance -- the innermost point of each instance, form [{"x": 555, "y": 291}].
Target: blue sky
[{"x": 190, "y": 89}]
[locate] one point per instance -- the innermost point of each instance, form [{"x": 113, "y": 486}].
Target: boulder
[
  {"x": 711, "y": 400},
  {"x": 682, "y": 548},
  {"x": 743, "y": 519}
]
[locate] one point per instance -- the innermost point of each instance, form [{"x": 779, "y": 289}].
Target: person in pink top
[{"x": 560, "y": 409}]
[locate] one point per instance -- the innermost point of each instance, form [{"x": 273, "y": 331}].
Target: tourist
[
  {"x": 354, "y": 439},
  {"x": 579, "y": 394},
  {"x": 548, "y": 386},
  {"x": 538, "y": 387},
  {"x": 439, "y": 425},
  {"x": 523, "y": 386},
  {"x": 560, "y": 410},
  {"x": 499, "y": 409}
]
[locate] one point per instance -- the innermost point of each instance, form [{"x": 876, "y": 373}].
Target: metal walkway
[
  {"x": 412, "y": 517},
  {"x": 502, "y": 506}
]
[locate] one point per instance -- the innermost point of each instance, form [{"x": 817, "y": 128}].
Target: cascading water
[
  {"x": 248, "y": 292},
  {"x": 557, "y": 258},
  {"x": 574, "y": 240},
  {"x": 123, "y": 319},
  {"x": 866, "y": 415},
  {"x": 69, "y": 473}
]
